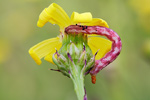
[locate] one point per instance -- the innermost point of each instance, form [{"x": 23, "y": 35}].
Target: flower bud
[{"x": 74, "y": 52}]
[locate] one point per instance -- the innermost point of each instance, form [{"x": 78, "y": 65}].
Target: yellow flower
[{"x": 56, "y": 15}]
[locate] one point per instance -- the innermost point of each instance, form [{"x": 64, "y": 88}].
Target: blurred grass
[{"x": 127, "y": 78}]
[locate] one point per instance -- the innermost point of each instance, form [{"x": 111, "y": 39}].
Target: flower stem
[{"x": 78, "y": 81}]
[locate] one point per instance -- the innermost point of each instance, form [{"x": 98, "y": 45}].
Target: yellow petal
[
  {"x": 97, "y": 22},
  {"x": 55, "y": 15},
  {"x": 49, "y": 56},
  {"x": 81, "y": 18},
  {"x": 99, "y": 44},
  {"x": 44, "y": 48}
]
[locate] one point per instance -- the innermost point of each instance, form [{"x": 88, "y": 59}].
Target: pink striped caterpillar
[{"x": 103, "y": 31}]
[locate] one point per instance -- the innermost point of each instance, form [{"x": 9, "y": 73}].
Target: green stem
[{"x": 78, "y": 81}]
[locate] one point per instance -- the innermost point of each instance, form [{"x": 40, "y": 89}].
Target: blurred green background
[{"x": 127, "y": 78}]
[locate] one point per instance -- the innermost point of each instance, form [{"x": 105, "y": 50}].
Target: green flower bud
[
  {"x": 76, "y": 46},
  {"x": 75, "y": 59}
]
